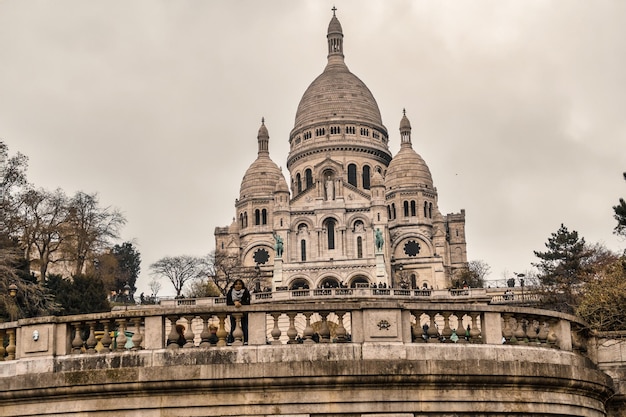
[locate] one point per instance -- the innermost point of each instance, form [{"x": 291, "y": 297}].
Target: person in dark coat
[{"x": 237, "y": 296}]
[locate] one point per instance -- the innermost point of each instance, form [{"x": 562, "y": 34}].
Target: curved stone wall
[{"x": 369, "y": 379}]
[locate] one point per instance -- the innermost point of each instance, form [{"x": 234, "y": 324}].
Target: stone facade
[{"x": 345, "y": 189}]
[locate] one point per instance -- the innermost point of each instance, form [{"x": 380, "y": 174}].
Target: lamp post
[
  {"x": 126, "y": 296},
  {"x": 521, "y": 282}
]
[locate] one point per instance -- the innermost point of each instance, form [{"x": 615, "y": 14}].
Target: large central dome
[{"x": 337, "y": 94}]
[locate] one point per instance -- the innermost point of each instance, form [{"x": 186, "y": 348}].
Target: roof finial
[
  {"x": 334, "y": 9},
  {"x": 404, "y": 112},
  {"x": 262, "y": 120}
]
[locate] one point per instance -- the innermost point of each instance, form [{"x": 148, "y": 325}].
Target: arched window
[
  {"x": 245, "y": 219},
  {"x": 430, "y": 210},
  {"x": 308, "y": 175},
  {"x": 425, "y": 209},
  {"x": 359, "y": 247},
  {"x": 352, "y": 174},
  {"x": 393, "y": 210},
  {"x": 264, "y": 216},
  {"x": 366, "y": 177},
  {"x": 330, "y": 233},
  {"x": 298, "y": 183},
  {"x": 413, "y": 210},
  {"x": 303, "y": 250},
  {"x": 257, "y": 217},
  {"x": 389, "y": 212},
  {"x": 406, "y": 209},
  {"x": 241, "y": 220}
]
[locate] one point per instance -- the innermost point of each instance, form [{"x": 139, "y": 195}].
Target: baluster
[
  {"x": 475, "y": 332},
  {"x": 238, "y": 332},
  {"x": 446, "y": 332},
  {"x": 308, "y": 332},
  {"x": 341, "y": 330},
  {"x": 292, "y": 333},
  {"x": 519, "y": 333},
  {"x": 2, "y": 349},
  {"x": 421, "y": 330},
  {"x": 189, "y": 335},
  {"x": 276, "y": 331},
  {"x": 172, "y": 337},
  {"x": 221, "y": 331},
  {"x": 91, "y": 340},
  {"x": 137, "y": 337},
  {"x": 77, "y": 342},
  {"x": 120, "y": 340},
  {"x": 531, "y": 330},
  {"x": 433, "y": 333},
  {"x": 106, "y": 337},
  {"x": 11, "y": 348},
  {"x": 542, "y": 336},
  {"x": 205, "y": 334},
  {"x": 460, "y": 329},
  {"x": 507, "y": 333},
  {"x": 553, "y": 339},
  {"x": 324, "y": 329}
]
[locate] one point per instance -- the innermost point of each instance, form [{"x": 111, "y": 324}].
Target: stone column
[
  {"x": 492, "y": 328},
  {"x": 256, "y": 328},
  {"x": 154, "y": 332}
]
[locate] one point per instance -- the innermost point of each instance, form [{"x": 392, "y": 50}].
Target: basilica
[{"x": 352, "y": 214}]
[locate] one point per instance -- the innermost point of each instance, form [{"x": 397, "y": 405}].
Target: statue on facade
[
  {"x": 330, "y": 189},
  {"x": 378, "y": 238},
  {"x": 278, "y": 246}
]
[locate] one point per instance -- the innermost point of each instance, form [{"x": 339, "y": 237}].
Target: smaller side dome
[
  {"x": 407, "y": 169},
  {"x": 263, "y": 175}
]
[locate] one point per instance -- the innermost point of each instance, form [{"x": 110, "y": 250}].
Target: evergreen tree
[
  {"x": 81, "y": 295},
  {"x": 563, "y": 269},
  {"x": 129, "y": 265}
]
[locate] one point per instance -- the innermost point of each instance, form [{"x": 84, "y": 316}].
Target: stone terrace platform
[{"x": 374, "y": 358}]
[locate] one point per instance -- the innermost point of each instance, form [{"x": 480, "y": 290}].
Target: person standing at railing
[{"x": 237, "y": 296}]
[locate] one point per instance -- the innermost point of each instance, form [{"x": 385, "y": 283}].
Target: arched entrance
[
  {"x": 359, "y": 281},
  {"x": 329, "y": 282},
  {"x": 299, "y": 284}
]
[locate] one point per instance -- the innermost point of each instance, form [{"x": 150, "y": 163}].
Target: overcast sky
[{"x": 517, "y": 107}]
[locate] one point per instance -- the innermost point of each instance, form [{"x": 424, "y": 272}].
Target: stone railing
[{"x": 294, "y": 321}]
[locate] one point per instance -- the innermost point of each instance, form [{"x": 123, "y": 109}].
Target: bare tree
[
  {"x": 155, "y": 286},
  {"x": 91, "y": 228},
  {"x": 475, "y": 274},
  {"x": 179, "y": 270},
  {"x": 41, "y": 219},
  {"x": 223, "y": 268}
]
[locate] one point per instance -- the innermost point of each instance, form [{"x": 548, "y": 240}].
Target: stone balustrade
[
  {"x": 322, "y": 352},
  {"x": 295, "y": 317}
]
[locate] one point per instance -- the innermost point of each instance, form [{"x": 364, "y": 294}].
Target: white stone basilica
[{"x": 354, "y": 214}]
